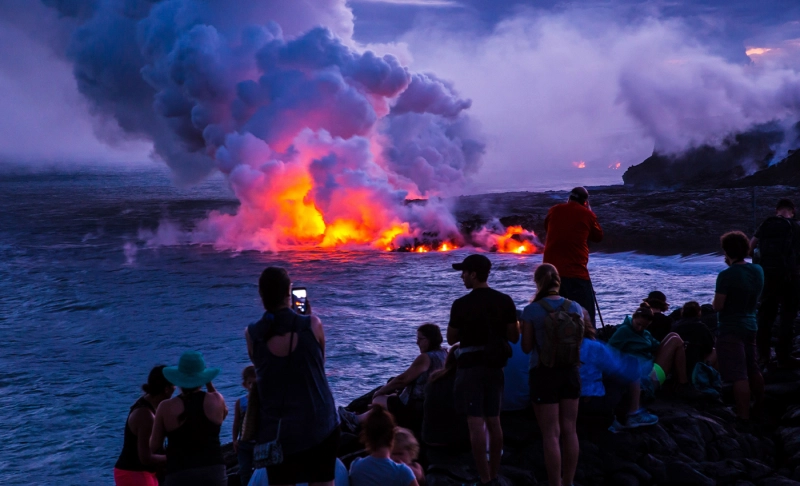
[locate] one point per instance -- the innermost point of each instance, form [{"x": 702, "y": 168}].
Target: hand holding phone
[{"x": 300, "y": 300}]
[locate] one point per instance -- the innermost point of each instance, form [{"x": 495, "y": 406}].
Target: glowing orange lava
[
  {"x": 516, "y": 240},
  {"x": 615, "y": 165},
  {"x": 580, "y": 164}
]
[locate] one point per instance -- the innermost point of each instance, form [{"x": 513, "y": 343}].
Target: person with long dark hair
[
  {"x": 403, "y": 395},
  {"x": 295, "y": 400},
  {"x": 191, "y": 424},
  {"x": 137, "y": 465}
]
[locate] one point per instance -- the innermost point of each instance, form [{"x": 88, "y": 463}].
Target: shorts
[
  {"x": 315, "y": 465},
  {"x": 478, "y": 391},
  {"x": 134, "y": 478},
  {"x": 736, "y": 355},
  {"x": 551, "y": 385}
]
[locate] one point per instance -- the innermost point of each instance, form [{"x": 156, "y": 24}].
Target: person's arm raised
[
  {"x": 419, "y": 366},
  {"x": 595, "y": 231},
  {"x": 141, "y": 422},
  {"x": 319, "y": 332}
]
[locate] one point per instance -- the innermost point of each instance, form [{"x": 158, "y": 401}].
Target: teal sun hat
[{"x": 191, "y": 371}]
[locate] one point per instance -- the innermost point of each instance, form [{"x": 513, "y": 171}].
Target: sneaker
[
  {"x": 641, "y": 418},
  {"x": 616, "y": 427},
  {"x": 687, "y": 391},
  {"x": 349, "y": 420}
]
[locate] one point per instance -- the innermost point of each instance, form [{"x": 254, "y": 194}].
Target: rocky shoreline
[
  {"x": 693, "y": 444},
  {"x": 662, "y": 222}
]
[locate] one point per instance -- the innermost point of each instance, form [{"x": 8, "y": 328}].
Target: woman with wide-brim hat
[{"x": 191, "y": 424}]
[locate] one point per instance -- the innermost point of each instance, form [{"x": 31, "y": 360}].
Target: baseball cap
[{"x": 474, "y": 263}]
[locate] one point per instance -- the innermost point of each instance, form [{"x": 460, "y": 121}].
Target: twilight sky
[{"x": 554, "y": 85}]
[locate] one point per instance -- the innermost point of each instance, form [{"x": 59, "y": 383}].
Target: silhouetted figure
[
  {"x": 137, "y": 465},
  {"x": 776, "y": 247},
  {"x": 736, "y": 299},
  {"x": 191, "y": 423},
  {"x": 483, "y": 321},
  {"x": 569, "y": 227},
  {"x": 288, "y": 351}
]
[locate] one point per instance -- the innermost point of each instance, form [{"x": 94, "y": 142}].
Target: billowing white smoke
[
  {"x": 321, "y": 143},
  {"x": 554, "y": 89}
]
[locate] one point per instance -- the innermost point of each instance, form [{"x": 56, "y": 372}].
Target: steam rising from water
[{"x": 320, "y": 142}]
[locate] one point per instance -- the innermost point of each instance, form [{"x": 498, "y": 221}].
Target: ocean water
[{"x": 86, "y": 308}]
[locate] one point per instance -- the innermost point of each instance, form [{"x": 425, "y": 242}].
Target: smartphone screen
[{"x": 299, "y": 297}]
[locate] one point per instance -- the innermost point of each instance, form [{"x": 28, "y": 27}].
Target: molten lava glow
[
  {"x": 516, "y": 240},
  {"x": 615, "y": 166},
  {"x": 757, "y": 51},
  {"x": 580, "y": 164}
]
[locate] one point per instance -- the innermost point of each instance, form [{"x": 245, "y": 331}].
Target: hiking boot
[
  {"x": 641, "y": 418},
  {"x": 687, "y": 391},
  {"x": 349, "y": 420}
]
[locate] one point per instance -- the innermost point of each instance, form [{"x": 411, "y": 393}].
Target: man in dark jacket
[
  {"x": 776, "y": 247},
  {"x": 570, "y": 226}
]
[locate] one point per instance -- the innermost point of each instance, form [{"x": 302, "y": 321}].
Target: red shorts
[{"x": 134, "y": 478}]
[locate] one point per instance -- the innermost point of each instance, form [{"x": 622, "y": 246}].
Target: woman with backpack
[{"x": 552, "y": 330}]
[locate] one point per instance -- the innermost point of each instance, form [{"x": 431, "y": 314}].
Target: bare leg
[
  {"x": 376, "y": 400},
  {"x": 635, "y": 391},
  {"x": 477, "y": 438},
  {"x": 495, "y": 445},
  {"x": 568, "y": 415},
  {"x": 671, "y": 356},
  {"x": 757, "y": 391},
  {"x": 741, "y": 395},
  {"x": 547, "y": 417}
]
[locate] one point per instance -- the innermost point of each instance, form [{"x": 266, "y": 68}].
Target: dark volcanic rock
[{"x": 656, "y": 222}]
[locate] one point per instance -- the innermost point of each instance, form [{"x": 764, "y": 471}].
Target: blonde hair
[
  {"x": 404, "y": 440},
  {"x": 546, "y": 279}
]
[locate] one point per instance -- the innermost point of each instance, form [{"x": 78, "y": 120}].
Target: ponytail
[
  {"x": 547, "y": 280},
  {"x": 644, "y": 311}
]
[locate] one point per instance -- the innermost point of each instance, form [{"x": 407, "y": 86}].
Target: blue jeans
[
  {"x": 245, "y": 455},
  {"x": 580, "y": 291}
]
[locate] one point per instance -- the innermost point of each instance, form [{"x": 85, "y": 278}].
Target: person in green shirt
[
  {"x": 632, "y": 337},
  {"x": 736, "y": 300}
]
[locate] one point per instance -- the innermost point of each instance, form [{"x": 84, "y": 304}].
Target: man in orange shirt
[{"x": 570, "y": 226}]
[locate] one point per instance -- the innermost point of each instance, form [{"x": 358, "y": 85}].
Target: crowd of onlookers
[{"x": 548, "y": 357}]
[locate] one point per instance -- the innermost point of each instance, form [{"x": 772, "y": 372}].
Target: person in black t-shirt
[
  {"x": 776, "y": 247},
  {"x": 483, "y": 321}
]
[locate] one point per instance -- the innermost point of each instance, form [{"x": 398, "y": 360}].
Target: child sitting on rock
[
  {"x": 406, "y": 451},
  {"x": 667, "y": 356},
  {"x": 378, "y": 469}
]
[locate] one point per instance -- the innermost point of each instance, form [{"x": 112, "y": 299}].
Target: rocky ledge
[
  {"x": 663, "y": 222},
  {"x": 694, "y": 443}
]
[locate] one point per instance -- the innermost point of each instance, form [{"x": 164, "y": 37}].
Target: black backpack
[{"x": 776, "y": 247}]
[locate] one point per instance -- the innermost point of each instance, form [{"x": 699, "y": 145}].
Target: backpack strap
[
  {"x": 566, "y": 305},
  {"x": 546, "y": 305}
]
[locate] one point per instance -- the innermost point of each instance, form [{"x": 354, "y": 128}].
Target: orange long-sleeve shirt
[{"x": 570, "y": 226}]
